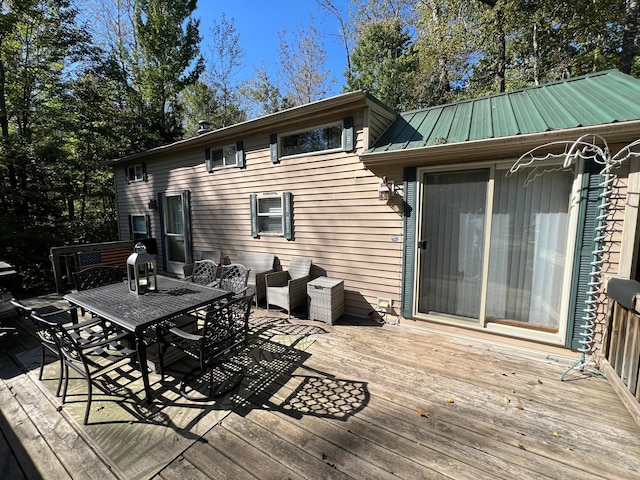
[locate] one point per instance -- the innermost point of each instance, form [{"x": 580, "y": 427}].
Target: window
[
  {"x": 271, "y": 214},
  {"x": 334, "y": 137},
  {"x": 317, "y": 140},
  {"x": 136, "y": 173},
  {"x": 227, "y": 156},
  {"x": 139, "y": 227}
]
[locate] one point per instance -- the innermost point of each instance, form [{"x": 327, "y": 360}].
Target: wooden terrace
[{"x": 417, "y": 405}]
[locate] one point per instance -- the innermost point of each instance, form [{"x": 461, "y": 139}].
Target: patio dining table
[{"x": 140, "y": 313}]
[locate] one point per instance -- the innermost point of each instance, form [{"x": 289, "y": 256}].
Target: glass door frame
[
  {"x": 173, "y": 266},
  {"x": 482, "y": 324}
]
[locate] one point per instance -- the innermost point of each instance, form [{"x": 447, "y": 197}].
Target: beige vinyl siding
[{"x": 338, "y": 220}]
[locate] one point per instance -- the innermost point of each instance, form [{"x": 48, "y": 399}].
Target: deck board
[{"x": 510, "y": 417}]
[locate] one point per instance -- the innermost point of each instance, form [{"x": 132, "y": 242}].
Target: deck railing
[
  {"x": 72, "y": 258},
  {"x": 621, "y": 342}
]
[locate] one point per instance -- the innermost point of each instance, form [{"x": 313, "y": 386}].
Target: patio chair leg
[
  {"x": 60, "y": 377},
  {"x": 89, "y": 396}
]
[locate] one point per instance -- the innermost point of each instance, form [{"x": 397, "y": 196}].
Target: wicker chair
[
  {"x": 205, "y": 272},
  {"x": 288, "y": 288}
]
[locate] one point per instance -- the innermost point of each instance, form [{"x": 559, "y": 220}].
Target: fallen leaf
[
  {"x": 556, "y": 434},
  {"x": 449, "y": 400},
  {"x": 421, "y": 413},
  {"x": 506, "y": 400},
  {"x": 519, "y": 407}
]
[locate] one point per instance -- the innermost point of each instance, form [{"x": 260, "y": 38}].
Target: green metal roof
[{"x": 595, "y": 99}]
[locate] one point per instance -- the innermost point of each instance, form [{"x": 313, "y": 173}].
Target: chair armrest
[
  {"x": 276, "y": 279},
  {"x": 188, "y": 270},
  {"x": 186, "y": 335}
]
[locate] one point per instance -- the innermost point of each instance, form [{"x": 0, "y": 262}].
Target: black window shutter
[
  {"x": 273, "y": 147},
  {"x": 144, "y": 172},
  {"x": 253, "y": 200},
  {"x": 148, "y": 220},
  {"x": 287, "y": 215},
  {"x": 126, "y": 175},
  {"x": 347, "y": 134},
  {"x": 240, "y": 154},
  {"x": 188, "y": 239},
  {"x": 409, "y": 235},
  {"x": 130, "y": 227}
]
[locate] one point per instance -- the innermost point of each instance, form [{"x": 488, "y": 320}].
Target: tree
[
  {"x": 166, "y": 62},
  {"x": 224, "y": 63},
  {"x": 629, "y": 36},
  {"x": 262, "y": 96},
  {"x": 384, "y": 63},
  {"x": 302, "y": 66}
]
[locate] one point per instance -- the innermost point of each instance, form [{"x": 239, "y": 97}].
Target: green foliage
[
  {"x": 166, "y": 61},
  {"x": 383, "y": 62}
]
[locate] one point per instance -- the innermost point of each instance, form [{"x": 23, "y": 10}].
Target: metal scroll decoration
[{"x": 589, "y": 148}]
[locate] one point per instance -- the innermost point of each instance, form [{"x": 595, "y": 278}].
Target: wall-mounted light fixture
[
  {"x": 386, "y": 189},
  {"x": 153, "y": 204}
]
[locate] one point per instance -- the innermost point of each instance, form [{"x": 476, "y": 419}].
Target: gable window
[
  {"x": 139, "y": 227},
  {"x": 332, "y": 137},
  {"x": 136, "y": 173},
  {"x": 231, "y": 155},
  {"x": 271, "y": 215}
]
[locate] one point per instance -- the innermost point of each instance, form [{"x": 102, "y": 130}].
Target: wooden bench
[{"x": 259, "y": 264}]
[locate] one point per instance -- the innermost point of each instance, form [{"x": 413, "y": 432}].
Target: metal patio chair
[
  {"x": 205, "y": 272},
  {"x": 86, "y": 348},
  {"x": 225, "y": 328}
]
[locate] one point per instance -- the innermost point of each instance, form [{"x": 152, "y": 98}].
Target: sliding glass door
[{"x": 492, "y": 247}]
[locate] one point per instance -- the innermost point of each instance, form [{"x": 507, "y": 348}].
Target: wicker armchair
[{"x": 288, "y": 289}]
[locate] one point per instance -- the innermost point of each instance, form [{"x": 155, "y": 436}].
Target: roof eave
[
  {"x": 335, "y": 104},
  {"x": 496, "y": 148}
]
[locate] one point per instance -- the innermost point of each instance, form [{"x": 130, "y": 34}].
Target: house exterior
[{"x": 476, "y": 233}]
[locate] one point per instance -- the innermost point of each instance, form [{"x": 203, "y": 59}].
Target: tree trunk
[{"x": 628, "y": 36}]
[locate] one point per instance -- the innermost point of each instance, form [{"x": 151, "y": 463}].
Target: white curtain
[{"x": 528, "y": 242}]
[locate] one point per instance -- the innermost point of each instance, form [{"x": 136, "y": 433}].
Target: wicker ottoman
[{"x": 326, "y": 299}]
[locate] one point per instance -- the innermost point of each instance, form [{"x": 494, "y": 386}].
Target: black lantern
[{"x": 141, "y": 270}]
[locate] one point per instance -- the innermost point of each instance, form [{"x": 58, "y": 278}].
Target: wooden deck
[{"x": 434, "y": 406}]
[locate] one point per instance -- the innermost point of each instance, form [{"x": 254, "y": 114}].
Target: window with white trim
[
  {"x": 139, "y": 227},
  {"x": 231, "y": 155},
  {"x": 338, "y": 136},
  {"x": 271, "y": 215},
  {"x": 136, "y": 173}
]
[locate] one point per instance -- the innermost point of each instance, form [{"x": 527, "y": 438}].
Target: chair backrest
[
  {"x": 299, "y": 267},
  {"x": 234, "y": 278},
  {"x": 204, "y": 272},
  {"x": 225, "y": 327},
  {"x": 215, "y": 255},
  {"x": 93, "y": 277},
  {"x": 54, "y": 314},
  {"x": 54, "y": 333}
]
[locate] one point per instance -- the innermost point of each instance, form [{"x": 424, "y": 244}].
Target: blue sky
[{"x": 258, "y": 23}]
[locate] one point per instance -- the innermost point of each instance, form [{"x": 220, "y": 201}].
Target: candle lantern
[{"x": 141, "y": 270}]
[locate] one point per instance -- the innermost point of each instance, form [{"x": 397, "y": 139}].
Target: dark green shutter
[
  {"x": 253, "y": 201},
  {"x": 287, "y": 215},
  {"x": 347, "y": 134},
  {"x": 409, "y": 235},
  {"x": 240, "y": 154},
  {"x": 188, "y": 240},
  {"x": 162, "y": 230},
  {"x": 144, "y": 172},
  {"x": 587, "y": 221},
  {"x": 208, "y": 164},
  {"x": 126, "y": 175},
  {"x": 273, "y": 147},
  {"x": 130, "y": 227},
  {"x": 148, "y": 220}
]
